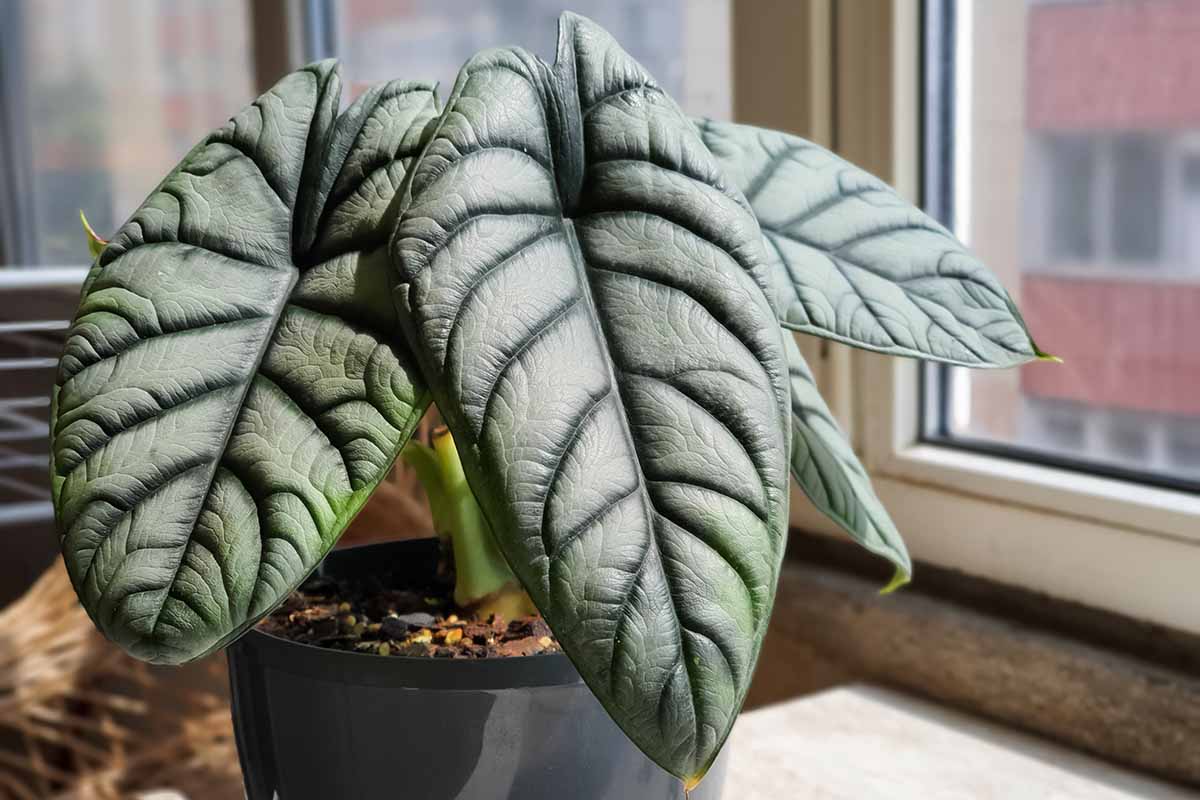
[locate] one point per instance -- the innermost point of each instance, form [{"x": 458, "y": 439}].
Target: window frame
[
  {"x": 1106, "y": 542},
  {"x": 940, "y": 132}
]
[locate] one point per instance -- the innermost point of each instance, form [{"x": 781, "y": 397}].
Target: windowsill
[
  {"x": 864, "y": 741},
  {"x": 1142, "y": 509},
  {"x": 1118, "y": 689}
]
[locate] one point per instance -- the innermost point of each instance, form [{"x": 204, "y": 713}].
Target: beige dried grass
[{"x": 79, "y": 719}]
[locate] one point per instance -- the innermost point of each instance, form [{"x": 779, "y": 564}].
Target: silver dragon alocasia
[
  {"x": 600, "y": 296},
  {"x": 587, "y": 299},
  {"x": 233, "y": 386}
]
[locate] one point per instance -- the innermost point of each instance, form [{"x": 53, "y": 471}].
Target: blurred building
[
  {"x": 1112, "y": 256},
  {"x": 1085, "y": 196}
]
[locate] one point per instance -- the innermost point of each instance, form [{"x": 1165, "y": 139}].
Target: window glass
[
  {"x": 1190, "y": 172},
  {"x": 97, "y": 102},
  {"x": 1071, "y": 171},
  {"x": 1137, "y": 193},
  {"x": 1078, "y": 135},
  {"x": 684, "y": 44},
  {"x": 1184, "y": 448}
]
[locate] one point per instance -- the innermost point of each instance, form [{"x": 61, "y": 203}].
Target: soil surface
[{"x": 418, "y": 621}]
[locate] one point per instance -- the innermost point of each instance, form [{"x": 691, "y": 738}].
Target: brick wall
[
  {"x": 1125, "y": 344},
  {"x": 1119, "y": 64}
]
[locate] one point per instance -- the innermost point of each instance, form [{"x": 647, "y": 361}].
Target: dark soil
[{"x": 414, "y": 621}]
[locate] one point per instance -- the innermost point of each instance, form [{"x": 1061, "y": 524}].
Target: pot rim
[{"x": 400, "y": 672}]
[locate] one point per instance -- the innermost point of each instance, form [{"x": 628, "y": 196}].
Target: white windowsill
[{"x": 861, "y": 741}]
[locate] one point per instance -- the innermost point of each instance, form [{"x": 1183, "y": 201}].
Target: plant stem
[{"x": 484, "y": 583}]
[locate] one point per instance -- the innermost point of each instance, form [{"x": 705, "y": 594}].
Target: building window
[
  {"x": 1105, "y": 197},
  {"x": 1183, "y": 446},
  {"x": 1061, "y": 424},
  {"x": 97, "y": 103},
  {"x": 1072, "y": 177},
  {"x": 1190, "y": 172},
  {"x": 1129, "y": 437},
  {"x": 1137, "y": 194}
]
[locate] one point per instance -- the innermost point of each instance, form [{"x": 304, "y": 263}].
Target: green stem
[{"x": 484, "y": 583}]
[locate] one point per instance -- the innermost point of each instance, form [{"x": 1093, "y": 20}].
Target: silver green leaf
[
  {"x": 234, "y": 384},
  {"x": 586, "y": 298},
  {"x": 853, "y": 261},
  {"x": 830, "y": 474}
]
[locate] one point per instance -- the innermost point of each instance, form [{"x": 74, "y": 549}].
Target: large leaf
[
  {"x": 581, "y": 289},
  {"x": 853, "y": 261},
  {"x": 234, "y": 384},
  {"x": 827, "y": 470}
]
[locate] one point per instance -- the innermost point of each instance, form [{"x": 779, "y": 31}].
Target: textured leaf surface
[
  {"x": 582, "y": 291},
  {"x": 234, "y": 384},
  {"x": 830, "y": 474},
  {"x": 853, "y": 261}
]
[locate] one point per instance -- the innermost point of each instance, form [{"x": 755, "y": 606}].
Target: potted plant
[{"x": 598, "y": 294}]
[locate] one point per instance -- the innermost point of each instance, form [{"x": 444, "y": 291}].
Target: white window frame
[{"x": 1111, "y": 544}]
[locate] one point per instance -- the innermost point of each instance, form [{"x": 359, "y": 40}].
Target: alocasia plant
[{"x": 598, "y": 293}]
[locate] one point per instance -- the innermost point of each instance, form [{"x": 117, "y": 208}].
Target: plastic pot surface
[{"x": 318, "y": 723}]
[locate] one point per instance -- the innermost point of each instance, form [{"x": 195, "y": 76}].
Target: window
[
  {"x": 1060, "y": 425},
  {"x": 1075, "y": 480},
  {"x": 86, "y": 124},
  {"x": 684, "y": 44},
  {"x": 1070, "y": 165},
  {"x": 1100, "y": 198},
  {"x": 1131, "y": 437},
  {"x": 99, "y": 101},
  {"x": 1183, "y": 442},
  {"x": 1071, "y": 175},
  {"x": 1089, "y": 96},
  {"x": 1190, "y": 172},
  {"x": 1137, "y": 194}
]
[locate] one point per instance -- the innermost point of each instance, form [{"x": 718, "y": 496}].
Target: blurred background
[
  {"x": 98, "y": 101},
  {"x": 1078, "y": 137},
  {"x": 1060, "y": 139}
]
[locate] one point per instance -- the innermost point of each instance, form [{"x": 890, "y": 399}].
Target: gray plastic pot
[{"x": 317, "y": 723}]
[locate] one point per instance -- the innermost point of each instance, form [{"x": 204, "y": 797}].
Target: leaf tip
[
  {"x": 900, "y": 578},
  {"x": 1042, "y": 355},
  {"x": 95, "y": 243}
]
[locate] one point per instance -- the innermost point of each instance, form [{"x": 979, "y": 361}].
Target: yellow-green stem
[{"x": 484, "y": 584}]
